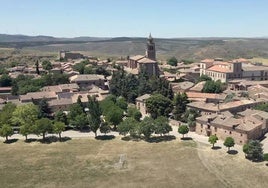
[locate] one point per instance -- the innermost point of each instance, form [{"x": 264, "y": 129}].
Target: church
[{"x": 145, "y": 62}]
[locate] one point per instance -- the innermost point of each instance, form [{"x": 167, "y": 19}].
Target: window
[
  {"x": 241, "y": 134},
  {"x": 215, "y": 128},
  {"x": 230, "y": 132},
  {"x": 202, "y": 126},
  {"x": 240, "y": 141}
]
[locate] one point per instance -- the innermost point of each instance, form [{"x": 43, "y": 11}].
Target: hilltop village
[{"x": 213, "y": 97}]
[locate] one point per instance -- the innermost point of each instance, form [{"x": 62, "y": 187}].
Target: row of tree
[{"x": 146, "y": 127}]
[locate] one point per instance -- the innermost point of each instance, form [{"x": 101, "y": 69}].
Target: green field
[{"x": 94, "y": 163}]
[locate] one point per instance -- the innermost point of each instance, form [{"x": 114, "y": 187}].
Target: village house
[
  {"x": 141, "y": 104},
  {"x": 226, "y": 125},
  {"x": 70, "y": 55},
  {"x": 85, "y": 81},
  {"x": 233, "y": 106},
  {"x": 62, "y": 88}
]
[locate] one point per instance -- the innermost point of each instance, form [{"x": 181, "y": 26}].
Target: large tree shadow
[
  {"x": 10, "y": 141},
  {"x": 186, "y": 138},
  {"x": 216, "y": 147},
  {"x": 129, "y": 138},
  {"x": 157, "y": 139},
  {"x": 232, "y": 152},
  {"x": 48, "y": 139},
  {"x": 105, "y": 137}
]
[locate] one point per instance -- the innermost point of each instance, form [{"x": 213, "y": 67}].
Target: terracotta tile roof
[
  {"x": 146, "y": 60},
  {"x": 86, "y": 77},
  {"x": 218, "y": 68},
  {"x": 204, "y": 95},
  {"x": 207, "y": 61},
  {"x": 38, "y": 95},
  {"x": 143, "y": 97},
  {"x": 137, "y": 57}
]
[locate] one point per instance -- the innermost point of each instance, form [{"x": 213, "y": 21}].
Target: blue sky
[{"x": 135, "y": 18}]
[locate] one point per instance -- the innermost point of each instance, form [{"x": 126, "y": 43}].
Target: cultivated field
[{"x": 94, "y": 163}]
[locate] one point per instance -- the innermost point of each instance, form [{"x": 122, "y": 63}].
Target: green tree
[
  {"x": 180, "y": 102},
  {"x": 6, "y": 113},
  {"x": 172, "y": 61},
  {"x": 44, "y": 110},
  {"x": 105, "y": 128},
  {"x": 229, "y": 142},
  {"x": 204, "y": 77},
  {"x": 6, "y": 131},
  {"x": 43, "y": 126},
  {"x": 147, "y": 127},
  {"x": 161, "y": 125},
  {"x": 121, "y": 103},
  {"x": 114, "y": 116},
  {"x": 132, "y": 111},
  {"x": 213, "y": 140},
  {"x": 37, "y": 67},
  {"x": 25, "y": 116},
  {"x": 246, "y": 149},
  {"x": 58, "y": 128},
  {"x": 80, "y": 121},
  {"x": 183, "y": 129},
  {"x": 255, "y": 151},
  {"x": 94, "y": 114},
  {"x": 47, "y": 65},
  {"x": 213, "y": 87},
  {"x": 158, "y": 105},
  {"x": 61, "y": 116},
  {"x": 125, "y": 126},
  {"x": 5, "y": 80},
  {"x": 77, "y": 116}
]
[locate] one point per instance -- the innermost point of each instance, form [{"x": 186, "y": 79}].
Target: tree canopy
[
  {"x": 172, "y": 61},
  {"x": 253, "y": 150},
  {"x": 183, "y": 129},
  {"x": 213, "y": 140},
  {"x": 213, "y": 87},
  {"x": 229, "y": 142},
  {"x": 158, "y": 105}
]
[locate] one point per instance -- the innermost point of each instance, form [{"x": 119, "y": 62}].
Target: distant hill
[
  {"x": 182, "y": 48},
  {"x": 24, "y": 38}
]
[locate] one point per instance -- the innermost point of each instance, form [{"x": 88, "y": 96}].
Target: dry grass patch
[{"x": 94, "y": 163}]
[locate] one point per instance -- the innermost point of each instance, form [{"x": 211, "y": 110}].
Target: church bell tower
[{"x": 150, "y": 51}]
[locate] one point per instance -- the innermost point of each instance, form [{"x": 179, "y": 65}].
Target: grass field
[{"x": 92, "y": 163}]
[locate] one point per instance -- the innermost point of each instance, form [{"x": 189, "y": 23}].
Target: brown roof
[
  {"x": 204, "y": 95},
  {"x": 219, "y": 68},
  {"x": 143, "y": 97},
  {"x": 137, "y": 57},
  {"x": 38, "y": 95},
  {"x": 146, "y": 60},
  {"x": 207, "y": 61},
  {"x": 58, "y": 102},
  {"x": 86, "y": 77}
]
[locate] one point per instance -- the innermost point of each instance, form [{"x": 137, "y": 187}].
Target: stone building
[
  {"x": 225, "y": 125},
  {"x": 86, "y": 81},
  {"x": 146, "y": 62},
  {"x": 70, "y": 55},
  {"x": 217, "y": 69},
  {"x": 140, "y": 104}
]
